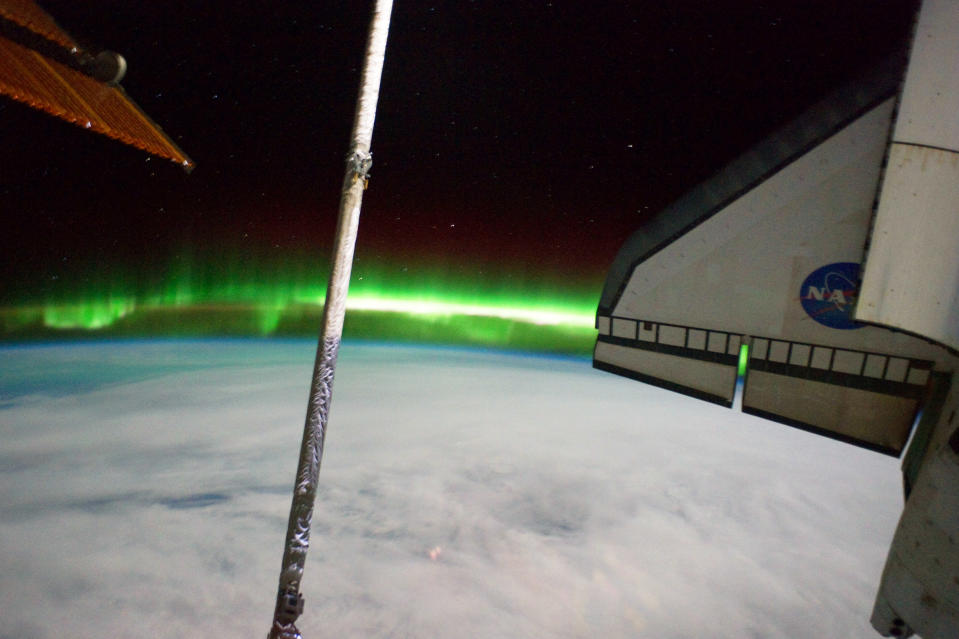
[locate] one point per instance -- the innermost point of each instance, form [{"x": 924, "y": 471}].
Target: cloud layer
[{"x": 144, "y": 489}]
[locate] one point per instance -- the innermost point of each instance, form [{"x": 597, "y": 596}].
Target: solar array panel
[{"x": 36, "y": 79}]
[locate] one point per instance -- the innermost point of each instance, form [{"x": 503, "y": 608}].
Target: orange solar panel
[
  {"x": 28, "y": 15},
  {"x": 50, "y": 86}
]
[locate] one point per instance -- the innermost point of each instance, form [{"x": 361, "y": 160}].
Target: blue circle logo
[{"x": 828, "y": 295}]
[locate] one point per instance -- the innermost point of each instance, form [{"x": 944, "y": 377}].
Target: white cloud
[{"x": 566, "y": 502}]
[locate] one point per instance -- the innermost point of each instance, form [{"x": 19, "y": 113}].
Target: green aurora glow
[
  {"x": 435, "y": 305},
  {"x": 442, "y": 304}
]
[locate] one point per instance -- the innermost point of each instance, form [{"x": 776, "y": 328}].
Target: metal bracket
[
  {"x": 289, "y": 606},
  {"x": 358, "y": 164}
]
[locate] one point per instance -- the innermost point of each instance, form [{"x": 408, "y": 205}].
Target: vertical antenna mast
[{"x": 289, "y": 601}]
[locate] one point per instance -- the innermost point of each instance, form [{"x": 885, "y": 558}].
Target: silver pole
[{"x": 289, "y": 601}]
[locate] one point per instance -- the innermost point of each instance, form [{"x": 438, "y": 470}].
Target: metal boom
[{"x": 289, "y": 602}]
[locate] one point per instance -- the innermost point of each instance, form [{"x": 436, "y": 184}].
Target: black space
[{"x": 535, "y": 134}]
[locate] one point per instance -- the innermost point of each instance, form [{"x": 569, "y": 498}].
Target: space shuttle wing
[
  {"x": 824, "y": 264},
  {"x": 767, "y": 255},
  {"x": 694, "y": 361}
]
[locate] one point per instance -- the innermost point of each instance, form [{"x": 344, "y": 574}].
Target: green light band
[
  {"x": 96, "y": 315},
  {"x": 533, "y": 315},
  {"x": 90, "y": 316},
  {"x": 446, "y": 303}
]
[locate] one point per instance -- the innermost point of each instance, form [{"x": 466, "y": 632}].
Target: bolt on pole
[{"x": 289, "y": 602}]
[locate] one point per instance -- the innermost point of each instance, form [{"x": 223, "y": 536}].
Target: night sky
[{"x": 517, "y": 145}]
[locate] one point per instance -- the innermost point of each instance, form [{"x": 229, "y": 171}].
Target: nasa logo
[{"x": 828, "y": 295}]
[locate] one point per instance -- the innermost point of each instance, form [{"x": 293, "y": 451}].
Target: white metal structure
[
  {"x": 289, "y": 600},
  {"x": 831, "y": 251},
  {"x": 911, "y": 279}
]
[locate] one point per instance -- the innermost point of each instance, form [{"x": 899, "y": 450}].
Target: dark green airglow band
[{"x": 432, "y": 307}]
